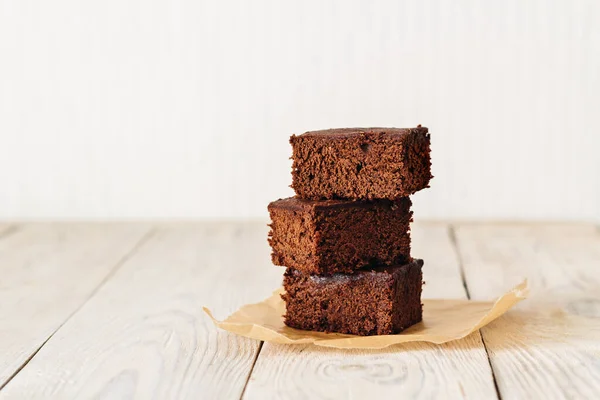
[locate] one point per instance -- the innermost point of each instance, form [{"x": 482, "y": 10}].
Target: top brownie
[{"x": 361, "y": 163}]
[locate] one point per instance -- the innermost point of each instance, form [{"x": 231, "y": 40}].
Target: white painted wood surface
[
  {"x": 46, "y": 273},
  {"x": 144, "y": 334},
  {"x": 7, "y": 229},
  {"x": 454, "y": 370},
  {"x": 549, "y": 348},
  {"x": 141, "y": 332}
]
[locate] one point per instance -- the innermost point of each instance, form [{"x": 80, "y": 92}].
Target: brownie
[
  {"x": 361, "y": 163},
  {"x": 377, "y": 301},
  {"x": 323, "y": 237}
]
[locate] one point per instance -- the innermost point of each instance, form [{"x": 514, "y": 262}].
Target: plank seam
[
  {"x": 454, "y": 241},
  {"x": 110, "y": 274},
  {"x": 10, "y": 378},
  {"x": 260, "y": 346},
  {"x": 452, "y": 235}
]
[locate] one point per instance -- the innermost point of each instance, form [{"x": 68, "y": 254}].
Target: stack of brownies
[{"x": 345, "y": 236}]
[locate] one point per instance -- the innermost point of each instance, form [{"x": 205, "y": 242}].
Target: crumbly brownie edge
[
  {"x": 339, "y": 236},
  {"x": 360, "y": 166},
  {"x": 378, "y": 309}
]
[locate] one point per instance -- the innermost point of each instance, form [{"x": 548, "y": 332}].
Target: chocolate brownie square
[
  {"x": 361, "y": 163},
  {"x": 328, "y": 236},
  {"x": 377, "y": 301}
]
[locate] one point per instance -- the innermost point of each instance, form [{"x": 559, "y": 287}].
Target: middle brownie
[{"x": 323, "y": 237}]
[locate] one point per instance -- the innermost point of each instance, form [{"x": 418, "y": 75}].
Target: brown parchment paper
[{"x": 443, "y": 321}]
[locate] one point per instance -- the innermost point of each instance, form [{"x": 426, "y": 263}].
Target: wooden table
[{"x": 114, "y": 311}]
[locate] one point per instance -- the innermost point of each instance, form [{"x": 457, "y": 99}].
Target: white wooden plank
[
  {"x": 47, "y": 272},
  {"x": 144, "y": 335},
  {"x": 455, "y": 370},
  {"x": 547, "y": 347}
]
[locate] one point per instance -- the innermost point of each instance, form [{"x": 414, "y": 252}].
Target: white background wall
[{"x": 183, "y": 108}]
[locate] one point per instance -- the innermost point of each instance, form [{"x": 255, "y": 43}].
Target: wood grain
[
  {"x": 144, "y": 334},
  {"x": 548, "y": 347},
  {"x": 47, "y": 272},
  {"x": 141, "y": 332},
  {"x": 455, "y": 370}
]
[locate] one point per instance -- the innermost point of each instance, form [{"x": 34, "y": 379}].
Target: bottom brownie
[{"x": 374, "y": 301}]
